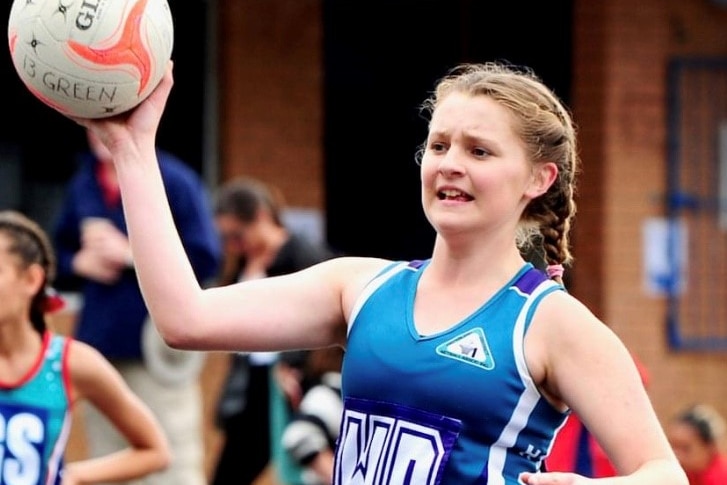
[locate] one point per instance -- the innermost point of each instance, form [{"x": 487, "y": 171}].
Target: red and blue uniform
[{"x": 36, "y": 419}]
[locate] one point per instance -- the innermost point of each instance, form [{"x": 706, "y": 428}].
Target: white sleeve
[
  {"x": 304, "y": 439},
  {"x": 325, "y": 404}
]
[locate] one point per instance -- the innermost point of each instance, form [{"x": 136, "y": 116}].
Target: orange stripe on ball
[{"x": 128, "y": 50}]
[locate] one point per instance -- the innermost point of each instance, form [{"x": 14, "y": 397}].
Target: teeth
[{"x": 452, "y": 193}]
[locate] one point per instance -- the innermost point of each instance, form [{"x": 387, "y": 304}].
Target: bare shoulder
[
  {"x": 562, "y": 316},
  {"x": 353, "y": 273},
  {"x": 564, "y": 322},
  {"x": 567, "y": 343},
  {"x": 89, "y": 370},
  {"x": 353, "y": 267},
  {"x": 82, "y": 359}
]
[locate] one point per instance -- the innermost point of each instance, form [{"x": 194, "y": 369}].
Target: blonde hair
[{"x": 549, "y": 135}]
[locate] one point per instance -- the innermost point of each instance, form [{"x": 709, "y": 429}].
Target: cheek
[
  {"x": 233, "y": 248},
  {"x": 499, "y": 180},
  {"x": 427, "y": 172},
  {"x": 11, "y": 298}
]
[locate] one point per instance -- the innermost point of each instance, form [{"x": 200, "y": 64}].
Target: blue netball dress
[
  {"x": 456, "y": 407},
  {"x": 36, "y": 419}
]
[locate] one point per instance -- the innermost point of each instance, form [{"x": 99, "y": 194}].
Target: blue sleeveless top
[
  {"x": 36, "y": 419},
  {"x": 455, "y": 407}
]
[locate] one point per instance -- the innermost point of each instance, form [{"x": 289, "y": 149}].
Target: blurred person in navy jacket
[{"x": 94, "y": 257}]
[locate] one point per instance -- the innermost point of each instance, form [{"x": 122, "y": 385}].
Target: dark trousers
[{"x": 246, "y": 451}]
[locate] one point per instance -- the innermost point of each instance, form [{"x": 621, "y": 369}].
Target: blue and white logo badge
[{"x": 470, "y": 347}]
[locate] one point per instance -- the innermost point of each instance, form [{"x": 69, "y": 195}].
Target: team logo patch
[{"x": 470, "y": 347}]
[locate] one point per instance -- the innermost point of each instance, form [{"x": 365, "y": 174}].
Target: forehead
[
  {"x": 475, "y": 113},
  {"x": 5, "y": 244},
  {"x": 683, "y": 432},
  {"x": 5, "y": 240},
  {"x": 228, "y": 220}
]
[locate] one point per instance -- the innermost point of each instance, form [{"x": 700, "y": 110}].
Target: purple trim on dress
[
  {"x": 530, "y": 280},
  {"x": 424, "y": 418}
]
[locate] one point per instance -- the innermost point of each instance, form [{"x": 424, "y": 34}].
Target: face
[
  {"x": 233, "y": 234},
  {"x": 475, "y": 172},
  {"x": 693, "y": 453},
  {"x": 17, "y": 285},
  {"x": 241, "y": 238}
]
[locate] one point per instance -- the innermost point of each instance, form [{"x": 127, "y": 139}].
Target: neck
[
  {"x": 18, "y": 338},
  {"x": 19, "y": 357},
  {"x": 475, "y": 265}
]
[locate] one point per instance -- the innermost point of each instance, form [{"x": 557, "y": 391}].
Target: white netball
[{"x": 90, "y": 58}]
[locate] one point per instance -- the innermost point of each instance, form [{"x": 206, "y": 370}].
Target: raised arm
[{"x": 305, "y": 309}]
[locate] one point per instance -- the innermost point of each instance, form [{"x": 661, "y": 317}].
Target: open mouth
[{"x": 452, "y": 194}]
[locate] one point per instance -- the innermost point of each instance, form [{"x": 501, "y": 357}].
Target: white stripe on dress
[
  {"x": 371, "y": 287},
  {"x": 528, "y": 399}
]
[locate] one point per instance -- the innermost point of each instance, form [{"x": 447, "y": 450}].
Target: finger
[
  {"x": 548, "y": 478},
  {"x": 161, "y": 93}
]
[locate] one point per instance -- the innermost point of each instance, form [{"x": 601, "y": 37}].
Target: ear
[
  {"x": 543, "y": 176},
  {"x": 33, "y": 279}
]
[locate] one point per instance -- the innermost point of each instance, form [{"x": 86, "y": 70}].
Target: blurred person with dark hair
[
  {"x": 43, "y": 375},
  {"x": 257, "y": 244},
  {"x": 695, "y": 435}
]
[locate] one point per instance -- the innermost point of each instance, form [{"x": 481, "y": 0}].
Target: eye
[
  {"x": 480, "y": 152},
  {"x": 437, "y": 147}
]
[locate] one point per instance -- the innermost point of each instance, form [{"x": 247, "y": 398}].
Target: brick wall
[
  {"x": 621, "y": 54},
  {"x": 271, "y": 77}
]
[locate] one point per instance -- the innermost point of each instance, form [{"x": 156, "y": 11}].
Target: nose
[{"x": 450, "y": 163}]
